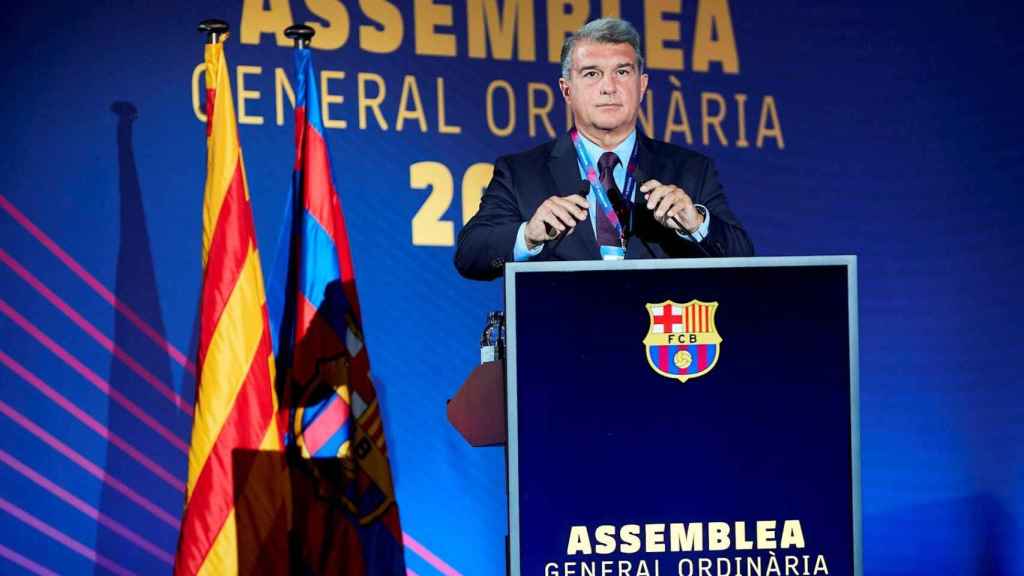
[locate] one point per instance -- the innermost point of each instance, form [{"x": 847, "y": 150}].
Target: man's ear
[{"x": 564, "y": 88}]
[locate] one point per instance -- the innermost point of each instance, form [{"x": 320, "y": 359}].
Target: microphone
[{"x": 641, "y": 179}]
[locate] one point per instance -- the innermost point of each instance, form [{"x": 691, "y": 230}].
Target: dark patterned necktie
[{"x": 606, "y": 234}]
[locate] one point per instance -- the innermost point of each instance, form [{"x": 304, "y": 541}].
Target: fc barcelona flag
[{"x": 345, "y": 518}]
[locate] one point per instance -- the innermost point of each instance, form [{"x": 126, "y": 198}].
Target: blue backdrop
[{"x": 886, "y": 130}]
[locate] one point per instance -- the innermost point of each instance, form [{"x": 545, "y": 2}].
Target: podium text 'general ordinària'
[{"x": 754, "y": 544}]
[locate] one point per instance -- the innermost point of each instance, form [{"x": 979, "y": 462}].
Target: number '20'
[{"x": 428, "y": 227}]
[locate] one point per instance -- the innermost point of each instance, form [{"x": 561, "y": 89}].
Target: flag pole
[
  {"x": 216, "y": 30},
  {"x": 301, "y": 34}
]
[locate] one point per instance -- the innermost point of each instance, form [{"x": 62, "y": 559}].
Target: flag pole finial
[
  {"x": 301, "y": 34},
  {"x": 216, "y": 30}
]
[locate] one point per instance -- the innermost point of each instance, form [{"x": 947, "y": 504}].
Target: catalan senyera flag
[
  {"x": 345, "y": 517},
  {"x": 235, "y": 519}
]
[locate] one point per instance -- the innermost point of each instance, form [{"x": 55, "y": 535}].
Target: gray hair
[{"x": 603, "y": 31}]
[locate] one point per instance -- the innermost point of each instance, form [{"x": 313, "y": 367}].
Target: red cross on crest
[{"x": 666, "y": 319}]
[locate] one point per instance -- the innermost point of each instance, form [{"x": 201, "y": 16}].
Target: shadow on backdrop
[
  {"x": 136, "y": 287},
  {"x": 345, "y": 517},
  {"x": 261, "y": 517}
]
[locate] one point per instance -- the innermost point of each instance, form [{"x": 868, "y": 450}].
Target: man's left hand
[{"x": 672, "y": 206}]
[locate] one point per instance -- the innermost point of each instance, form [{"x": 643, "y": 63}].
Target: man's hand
[
  {"x": 672, "y": 206},
  {"x": 556, "y": 215}
]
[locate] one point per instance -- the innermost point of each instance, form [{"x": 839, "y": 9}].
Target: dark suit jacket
[{"x": 523, "y": 181}]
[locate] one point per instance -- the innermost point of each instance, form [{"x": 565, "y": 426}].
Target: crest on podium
[{"x": 682, "y": 341}]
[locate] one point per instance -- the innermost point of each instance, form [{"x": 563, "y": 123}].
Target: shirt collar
[{"x": 623, "y": 150}]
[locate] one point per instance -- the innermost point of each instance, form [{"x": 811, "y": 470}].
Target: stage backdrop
[{"x": 887, "y": 130}]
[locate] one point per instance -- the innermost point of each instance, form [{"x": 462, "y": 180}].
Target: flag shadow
[
  {"x": 136, "y": 287},
  {"x": 261, "y": 511},
  {"x": 345, "y": 518}
]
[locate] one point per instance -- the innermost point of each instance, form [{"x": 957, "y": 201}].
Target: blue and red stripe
[
  {"x": 663, "y": 356},
  {"x": 323, "y": 427}
]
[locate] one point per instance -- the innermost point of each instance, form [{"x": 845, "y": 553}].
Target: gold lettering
[
  {"x": 501, "y": 131},
  {"x": 388, "y": 36},
  {"x": 514, "y": 25},
  {"x": 442, "y": 126},
  {"x": 718, "y": 536},
  {"x": 197, "y": 102},
  {"x": 327, "y": 98},
  {"x": 410, "y": 88},
  {"x": 769, "y": 112},
  {"x": 245, "y": 95},
  {"x": 792, "y": 535},
  {"x": 658, "y": 31},
  {"x": 741, "y": 117},
  {"x": 561, "y": 23},
  {"x": 685, "y": 538},
  {"x": 714, "y": 21},
  {"x": 256, "y": 21},
  {"x": 610, "y": 8},
  {"x": 373, "y": 103},
  {"x": 535, "y": 111},
  {"x": 335, "y": 33},
  {"x": 677, "y": 108},
  {"x": 605, "y": 536},
  {"x": 474, "y": 181},
  {"x": 428, "y": 17},
  {"x": 707, "y": 119},
  {"x": 282, "y": 89},
  {"x": 428, "y": 229}
]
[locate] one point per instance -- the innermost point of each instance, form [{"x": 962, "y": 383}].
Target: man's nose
[{"x": 608, "y": 84}]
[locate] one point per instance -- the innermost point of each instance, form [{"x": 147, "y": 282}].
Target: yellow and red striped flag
[{"x": 235, "y": 515}]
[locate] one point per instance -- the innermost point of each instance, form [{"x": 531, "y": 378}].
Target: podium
[{"x": 684, "y": 417}]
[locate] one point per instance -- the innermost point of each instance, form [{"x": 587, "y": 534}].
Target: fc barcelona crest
[{"x": 683, "y": 341}]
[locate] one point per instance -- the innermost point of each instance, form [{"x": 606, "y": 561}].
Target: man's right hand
[{"x": 557, "y": 215}]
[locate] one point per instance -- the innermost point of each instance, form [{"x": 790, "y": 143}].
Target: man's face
[{"x": 604, "y": 89}]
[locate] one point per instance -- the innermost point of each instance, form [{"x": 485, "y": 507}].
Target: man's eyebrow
[{"x": 616, "y": 67}]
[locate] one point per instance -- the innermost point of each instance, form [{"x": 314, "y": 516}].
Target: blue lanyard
[{"x": 587, "y": 166}]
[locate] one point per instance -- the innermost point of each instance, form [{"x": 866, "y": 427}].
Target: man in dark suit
[{"x": 604, "y": 190}]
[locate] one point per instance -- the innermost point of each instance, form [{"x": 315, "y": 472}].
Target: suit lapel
[
  {"x": 565, "y": 171},
  {"x": 645, "y": 229},
  {"x": 647, "y": 163}
]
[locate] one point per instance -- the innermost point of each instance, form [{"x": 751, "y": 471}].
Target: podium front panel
[{"x": 683, "y": 417}]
